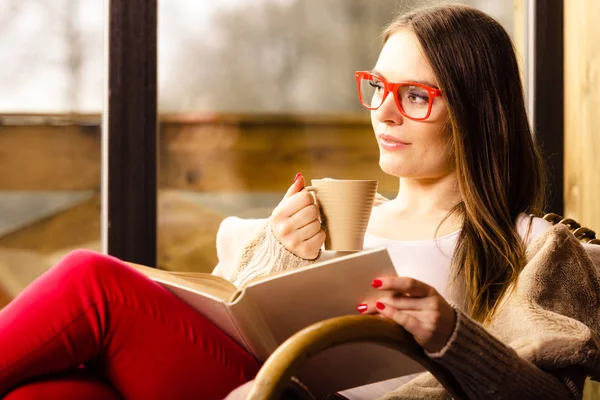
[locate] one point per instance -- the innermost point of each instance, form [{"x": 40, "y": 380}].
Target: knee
[
  {"x": 81, "y": 256},
  {"x": 87, "y": 263}
]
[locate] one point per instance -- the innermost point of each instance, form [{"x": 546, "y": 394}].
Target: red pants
[{"x": 134, "y": 339}]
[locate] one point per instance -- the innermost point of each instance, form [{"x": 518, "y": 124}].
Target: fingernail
[
  {"x": 380, "y": 306},
  {"x": 377, "y": 283},
  {"x": 362, "y": 308},
  {"x": 298, "y": 175}
]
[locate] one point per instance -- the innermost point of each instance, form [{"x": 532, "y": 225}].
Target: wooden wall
[
  {"x": 211, "y": 154},
  {"x": 49, "y": 157},
  {"x": 582, "y": 121},
  {"x": 582, "y": 112}
]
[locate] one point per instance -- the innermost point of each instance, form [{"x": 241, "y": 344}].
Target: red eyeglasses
[{"x": 414, "y": 100}]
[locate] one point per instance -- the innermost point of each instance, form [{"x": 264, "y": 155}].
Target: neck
[{"x": 428, "y": 196}]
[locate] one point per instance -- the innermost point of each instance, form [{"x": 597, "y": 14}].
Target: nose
[{"x": 388, "y": 111}]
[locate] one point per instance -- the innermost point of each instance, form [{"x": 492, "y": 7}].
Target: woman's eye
[
  {"x": 376, "y": 85},
  {"x": 418, "y": 97}
]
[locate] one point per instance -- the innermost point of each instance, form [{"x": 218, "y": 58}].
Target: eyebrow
[{"x": 427, "y": 83}]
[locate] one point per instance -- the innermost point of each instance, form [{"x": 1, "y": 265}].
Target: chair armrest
[{"x": 284, "y": 362}]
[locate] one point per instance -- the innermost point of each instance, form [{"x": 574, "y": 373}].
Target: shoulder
[{"x": 530, "y": 228}]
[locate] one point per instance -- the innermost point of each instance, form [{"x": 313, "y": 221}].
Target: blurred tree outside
[
  {"x": 292, "y": 57},
  {"x": 234, "y": 56},
  {"x": 52, "y": 56},
  {"x": 296, "y": 56}
]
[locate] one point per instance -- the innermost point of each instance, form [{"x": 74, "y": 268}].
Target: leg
[
  {"x": 75, "y": 385},
  {"x": 93, "y": 309}
]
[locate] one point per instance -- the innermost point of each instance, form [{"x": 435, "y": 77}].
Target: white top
[
  {"x": 425, "y": 260},
  {"x": 429, "y": 261}
]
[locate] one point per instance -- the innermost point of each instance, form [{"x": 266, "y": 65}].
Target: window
[
  {"x": 252, "y": 92},
  {"x": 51, "y": 57}
]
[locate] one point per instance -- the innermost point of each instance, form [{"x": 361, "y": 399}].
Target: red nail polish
[
  {"x": 362, "y": 308},
  {"x": 377, "y": 283},
  {"x": 380, "y": 306},
  {"x": 298, "y": 175}
]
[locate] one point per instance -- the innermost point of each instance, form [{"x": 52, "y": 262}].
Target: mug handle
[{"x": 313, "y": 190}]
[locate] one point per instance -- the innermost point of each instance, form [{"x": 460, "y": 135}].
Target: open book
[{"x": 266, "y": 312}]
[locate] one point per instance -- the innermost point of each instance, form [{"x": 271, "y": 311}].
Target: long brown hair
[{"x": 500, "y": 171}]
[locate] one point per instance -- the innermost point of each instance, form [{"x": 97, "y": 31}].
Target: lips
[{"x": 392, "y": 140}]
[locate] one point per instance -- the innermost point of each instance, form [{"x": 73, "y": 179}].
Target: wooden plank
[
  {"x": 582, "y": 94},
  {"x": 46, "y": 157},
  {"x": 198, "y": 153},
  {"x": 265, "y": 158},
  {"x": 130, "y": 131}
]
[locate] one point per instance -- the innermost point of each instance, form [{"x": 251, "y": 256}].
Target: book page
[
  {"x": 211, "y": 285},
  {"x": 219, "y": 286}
]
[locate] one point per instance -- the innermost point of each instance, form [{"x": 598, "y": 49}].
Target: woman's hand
[
  {"x": 295, "y": 222},
  {"x": 418, "y": 307}
]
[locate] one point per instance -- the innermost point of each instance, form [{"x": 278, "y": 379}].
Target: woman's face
[{"x": 410, "y": 149}]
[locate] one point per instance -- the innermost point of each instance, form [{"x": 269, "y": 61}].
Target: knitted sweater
[{"x": 541, "y": 344}]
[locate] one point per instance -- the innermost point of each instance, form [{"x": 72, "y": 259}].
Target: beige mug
[{"x": 345, "y": 207}]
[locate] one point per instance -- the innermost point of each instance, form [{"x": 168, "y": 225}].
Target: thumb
[{"x": 297, "y": 186}]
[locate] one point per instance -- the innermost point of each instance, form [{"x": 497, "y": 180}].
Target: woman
[{"x": 455, "y": 133}]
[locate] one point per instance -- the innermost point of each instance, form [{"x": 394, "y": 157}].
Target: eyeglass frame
[{"x": 394, "y": 87}]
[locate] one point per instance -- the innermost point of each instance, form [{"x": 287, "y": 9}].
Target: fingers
[
  {"x": 398, "y": 302},
  {"x": 295, "y": 203},
  {"x": 308, "y": 214},
  {"x": 404, "y": 285},
  {"x": 310, "y": 230},
  {"x": 407, "y": 303},
  {"x": 410, "y": 313},
  {"x": 407, "y": 319},
  {"x": 431, "y": 328},
  {"x": 295, "y": 199},
  {"x": 299, "y": 219},
  {"x": 296, "y": 187},
  {"x": 431, "y": 320},
  {"x": 295, "y": 237},
  {"x": 312, "y": 246},
  {"x": 295, "y": 222}
]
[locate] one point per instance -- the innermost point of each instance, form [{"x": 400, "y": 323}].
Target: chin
[{"x": 393, "y": 168}]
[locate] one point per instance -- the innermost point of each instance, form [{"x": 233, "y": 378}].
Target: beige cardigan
[{"x": 541, "y": 344}]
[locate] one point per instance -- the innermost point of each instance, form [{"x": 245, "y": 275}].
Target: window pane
[{"x": 252, "y": 92}]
